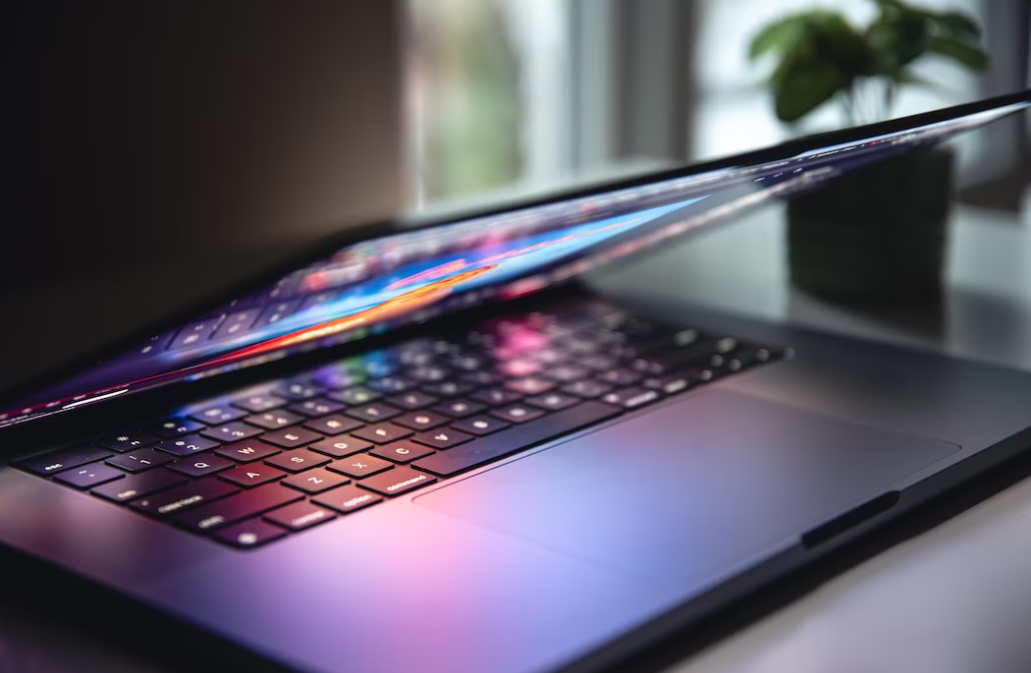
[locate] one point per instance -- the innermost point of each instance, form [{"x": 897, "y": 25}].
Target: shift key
[
  {"x": 238, "y": 507},
  {"x": 182, "y": 498}
]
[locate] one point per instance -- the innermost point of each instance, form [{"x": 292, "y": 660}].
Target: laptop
[{"x": 429, "y": 447}]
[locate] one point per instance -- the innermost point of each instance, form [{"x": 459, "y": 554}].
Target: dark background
[{"x": 165, "y": 149}]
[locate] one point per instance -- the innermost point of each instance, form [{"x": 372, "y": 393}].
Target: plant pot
[{"x": 876, "y": 236}]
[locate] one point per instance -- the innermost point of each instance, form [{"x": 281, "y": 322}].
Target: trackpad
[{"x": 691, "y": 491}]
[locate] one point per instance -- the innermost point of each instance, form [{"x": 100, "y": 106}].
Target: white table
[{"x": 955, "y": 599}]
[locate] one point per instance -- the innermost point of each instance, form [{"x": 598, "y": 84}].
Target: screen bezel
[{"x": 45, "y": 426}]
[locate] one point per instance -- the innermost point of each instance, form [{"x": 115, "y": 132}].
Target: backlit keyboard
[{"x": 255, "y": 466}]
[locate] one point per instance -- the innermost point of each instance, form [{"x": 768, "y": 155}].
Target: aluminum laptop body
[{"x": 431, "y": 449}]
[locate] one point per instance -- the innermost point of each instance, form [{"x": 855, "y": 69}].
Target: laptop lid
[{"x": 384, "y": 276}]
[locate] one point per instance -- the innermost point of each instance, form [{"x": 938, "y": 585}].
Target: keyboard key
[
  {"x": 373, "y": 413},
  {"x": 391, "y": 384},
  {"x": 531, "y": 385},
  {"x": 174, "y": 427},
  {"x": 234, "y": 508},
  {"x": 586, "y": 388},
  {"x": 89, "y": 476},
  {"x": 156, "y": 343},
  {"x": 300, "y": 515},
  {"x": 315, "y": 408},
  {"x": 140, "y": 461},
  {"x": 316, "y": 481},
  {"x": 579, "y": 345},
  {"x": 469, "y": 362},
  {"x": 247, "y": 452},
  {"x": 496, "y": 396},
  {"x": 63, "y": 459},
  {"x": 567, "y": 373},
  {"x": 429, "y": 373},
  {"x": 669, "y": 384},
  {"x": 460, "y": 408},
  {"x": 249, "y": 476},
  {"x": 421, "y": 420},
  {"x": 339, "y": 447},
  {"x": 382, "y": 433},
  {"x": 552, "y": 401},
  {"x": 273, "y": 420},
  {"x": 631, "y": 398},
  {"x": 249, "y": 534},
  {"x": 398, "y": 481},
  {"x": 517, "y": 413},
  {"x": 291, "y": 438},
  {"x": 201, "y": 467},
  {"x": 480, "y": 425},
  {"x": 549, "y": 356},
  {"x": 621, "y": 376},
  {"x": 696, "y": 354},
  {"x": 477, "y": 452},
  {"x": 127, "y": 441},
  {"x": 347, "y": 499},
  {"x": 448, "y": 388},
  {"x": 193, "y": 334},
  {"x": 442, "y": 439},
  {"x": 355, "y": 396},
  {"x": 360, "y": 466},
  {"x": 333, "y": 425},
  {"x": 232, "y": 432},
  {"x": 185, "y": 497},
  {"x": 401, "y": 452},
  {"x": 480, "y": 378},
  {"x": 276, "y": 312},
  {"x": 297, "y": 390},
  {"x": 220, "y": 413},
  {"x": 139, "y": 485},
  {"x": 258, "y": 402},
  {"x": 519, "y": 367},
  {"x": 236, "y": 324},
  {"x": 413, "y": 400},
  {"x": 297, "y": 461},
  {"x": 187, "y": 445},
  {"x": 376, "y": 365},
  {"x": 598, "y": 362}
]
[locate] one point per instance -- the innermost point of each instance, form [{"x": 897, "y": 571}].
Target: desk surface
[{"x": 955, "y": 599}]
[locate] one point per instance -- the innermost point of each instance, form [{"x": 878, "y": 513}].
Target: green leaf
[
  {"x": 896, "y": 40},
  {"x": 802, "y": 86},
  {"x": 970, "y": 56},
  {"x": 778, "y": 36},
  {"x": 837, "y": 40},
  {"x": 957, "y": 25}
]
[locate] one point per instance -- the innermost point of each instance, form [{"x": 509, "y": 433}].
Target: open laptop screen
[{"x": 379, "y": 284}]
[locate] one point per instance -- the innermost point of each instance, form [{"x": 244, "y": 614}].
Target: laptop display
[{"x": 412, "y": 276}]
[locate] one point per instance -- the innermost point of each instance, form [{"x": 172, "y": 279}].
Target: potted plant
[{"x": 877, "y": 235}]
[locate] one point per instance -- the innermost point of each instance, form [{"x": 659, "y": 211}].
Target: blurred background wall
[{"x": 601, "y": 87}]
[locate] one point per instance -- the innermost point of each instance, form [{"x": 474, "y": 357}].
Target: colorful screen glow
[{"x": 409, "y": 277}]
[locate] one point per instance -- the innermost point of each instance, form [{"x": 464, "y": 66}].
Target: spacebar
[{"x": 452, "y": 461}]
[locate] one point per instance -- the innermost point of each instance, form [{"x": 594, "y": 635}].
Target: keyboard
[{"x": 255, "y": 466}]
